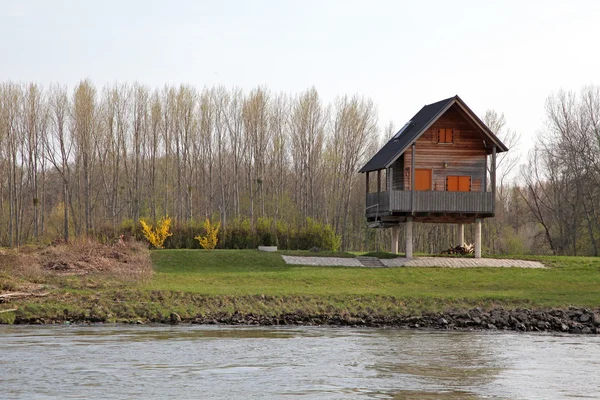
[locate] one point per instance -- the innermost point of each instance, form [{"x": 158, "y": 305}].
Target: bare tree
[
  {"x": 83, "y": 131},
  {"x": 355, "y": 126},
  {"x": 308, "y": 122}
]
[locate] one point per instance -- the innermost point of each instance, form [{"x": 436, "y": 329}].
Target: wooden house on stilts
[{"x": 435, "y": 169}]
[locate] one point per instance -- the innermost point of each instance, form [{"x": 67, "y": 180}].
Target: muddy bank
[{"x": 572, "y": 320}]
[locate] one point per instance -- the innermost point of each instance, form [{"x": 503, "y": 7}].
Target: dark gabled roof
[{"x": 415, "y": 128}]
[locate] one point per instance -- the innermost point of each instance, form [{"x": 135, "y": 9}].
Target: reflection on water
[{"x": 158, "y": 362}]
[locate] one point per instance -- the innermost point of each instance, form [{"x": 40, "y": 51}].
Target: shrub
[
  {"x": 209, "y": 240},
  {"x": 239, "y": 234},
  {"x": 317, "y": 234},
  {"x": 157, "y": 236},
  {"x": 265, "y": 233}
]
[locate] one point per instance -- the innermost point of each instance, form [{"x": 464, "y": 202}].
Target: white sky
[{"x": 502, "y": 55}]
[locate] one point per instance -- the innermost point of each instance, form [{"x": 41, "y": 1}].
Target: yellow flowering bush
[
  {"x": 209, "y": 240},
  {"x": 157, "y": 236}
]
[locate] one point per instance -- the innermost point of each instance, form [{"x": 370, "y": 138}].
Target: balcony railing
[{"x": 429, "y": 201}]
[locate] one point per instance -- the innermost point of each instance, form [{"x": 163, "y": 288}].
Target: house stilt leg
[
  {"x": 478, "y": 238},
  {"x": 409, "y": 237},
  {"x": 395, "y": 234},
  {"x": 461, "y": 234}
]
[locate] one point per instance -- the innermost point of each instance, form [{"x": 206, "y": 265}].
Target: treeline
[
  {"x": 561, "y": 180},
  {"x": 271, "y": 167},
  {"x": 91, "y": 162}
]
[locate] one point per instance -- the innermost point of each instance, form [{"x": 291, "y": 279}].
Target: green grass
[
  {"x": 215, "y": 283},
  {"x": 572, "y": 281}
]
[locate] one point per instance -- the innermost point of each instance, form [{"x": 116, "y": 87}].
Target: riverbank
[
  {"x": 250, "y": 287},
  {"x": 173, "y": 308}
]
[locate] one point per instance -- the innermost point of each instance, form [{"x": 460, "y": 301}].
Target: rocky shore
[{"x": 572, "y": 320}]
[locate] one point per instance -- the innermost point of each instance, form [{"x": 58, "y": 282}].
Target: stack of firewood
[{"x": 461, "y": 249}]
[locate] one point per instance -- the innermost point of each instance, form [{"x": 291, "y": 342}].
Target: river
[{"x": 185, "y": 362}]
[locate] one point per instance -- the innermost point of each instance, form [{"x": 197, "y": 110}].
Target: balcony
[{"x": 400, "y": 201}]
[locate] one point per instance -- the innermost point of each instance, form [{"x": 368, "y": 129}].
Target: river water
[{"x": 186, "y": 362}]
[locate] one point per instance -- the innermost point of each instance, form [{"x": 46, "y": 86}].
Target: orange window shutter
[
  {"x": 449, "y": 135},
  {"x": 464, "y": 184},
  {"x": 452, "y": 183}
]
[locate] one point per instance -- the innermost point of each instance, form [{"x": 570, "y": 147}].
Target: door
[{"x": 422, "y": 179}]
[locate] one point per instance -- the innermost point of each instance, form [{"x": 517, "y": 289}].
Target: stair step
[{"x": 370, "y": 261}]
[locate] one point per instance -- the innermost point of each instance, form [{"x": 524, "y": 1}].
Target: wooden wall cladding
[
  {"x": 398, "y": 174},
  {"x": 466, "y": 156}
]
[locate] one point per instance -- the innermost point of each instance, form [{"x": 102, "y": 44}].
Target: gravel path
[{"x": 447, "y": 262}]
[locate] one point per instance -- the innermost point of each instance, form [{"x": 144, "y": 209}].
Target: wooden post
[
  {"x": 412, "y": 184},
  {"x": 367, "y": 182},
  {"x": 395, "y": 234},
  {"x": 390, "y": 185},
  {"x": 379, "y": 187},
  {"x": 485, "y": 176},
  {"x": 493, "y": 178},
  {"x": 478, "y": 238},
  {"x": 461, "y": 234},
  {"x": 409, "y": 237}
]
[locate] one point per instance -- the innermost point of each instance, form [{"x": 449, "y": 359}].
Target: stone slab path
[
  {"x": 447, "y": 262},
  {"x": 323, "y": 261},
  {"x": 370, "y": 261}
]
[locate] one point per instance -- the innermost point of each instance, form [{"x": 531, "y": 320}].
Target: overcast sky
[{"x": 504, "y": 55}]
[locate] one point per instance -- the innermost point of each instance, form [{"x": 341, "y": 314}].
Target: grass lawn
[
  {"x": 218, "y": 283},
  {"x": 571, "y": 281}
]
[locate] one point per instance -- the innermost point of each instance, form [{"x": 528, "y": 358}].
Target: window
[
  {"x": 458, "y": 183},
  {"x": 406, "y": 127},
  {"x": 445, "y": 135}
]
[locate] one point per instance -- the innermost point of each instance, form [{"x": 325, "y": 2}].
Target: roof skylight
[{"x": 406, "y": 126}]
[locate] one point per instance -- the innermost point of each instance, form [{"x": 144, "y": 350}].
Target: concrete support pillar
[
  {"x": 409, "y": 237},
  {"x": 395, "y": 234},
  {"x": 478, "y": 238},
  {"x": 461, "y": 234}
]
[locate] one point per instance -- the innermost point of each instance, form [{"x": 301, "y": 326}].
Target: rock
[
  {"x": 596, "y": 319},
  {"x": 521, "y": 317},
  {"x": 175, "y": 318},
  {"x": 442, "y": 321},
  {"x": 477, "y": 320},
  {"x": 541, "y": 325},
  {"x": 586, "y": 330},
  {"x": 584, "y": 318},
  {"x": 139, "y": 322},
  {"x": 520, "y": 327},
  {"x": 492, "y": 327},
  {"x": 575, "y": 330},
  {"x": 564, "y": 327},
  {"x": 540, "y": 315}
]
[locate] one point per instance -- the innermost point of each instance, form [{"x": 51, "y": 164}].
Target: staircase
[{"x": 370, "y": 261}]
